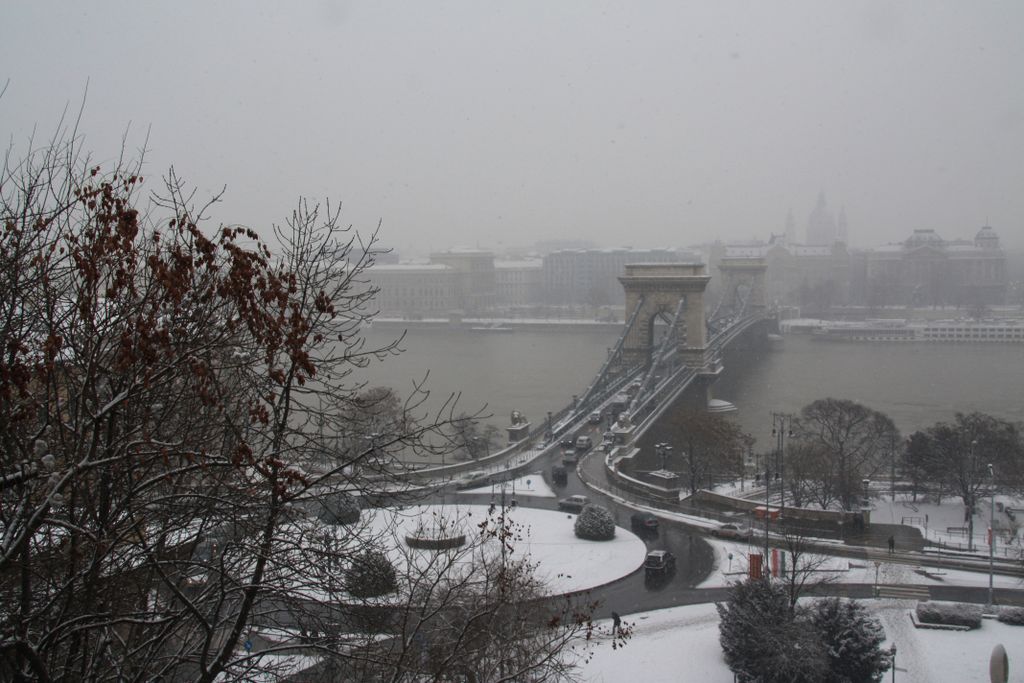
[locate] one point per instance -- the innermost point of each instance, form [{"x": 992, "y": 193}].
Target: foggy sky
[{"x": 497, "y": 124}]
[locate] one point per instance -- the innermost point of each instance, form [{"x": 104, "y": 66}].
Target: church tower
[{"x": 821, "y": 226}]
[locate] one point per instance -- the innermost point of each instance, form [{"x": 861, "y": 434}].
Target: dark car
[
  {"x": 643, "y": 523},
  {"x": 559, "y": 476},
  {"x": 659, "y": 562},
  {"x": 567, "y": 444}
]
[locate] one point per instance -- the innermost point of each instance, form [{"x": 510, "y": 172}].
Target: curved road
[{"x": 636, "y": 592}]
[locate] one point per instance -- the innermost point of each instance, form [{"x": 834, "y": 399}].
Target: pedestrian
[
  {"x": 616, "y": 623},
  {"x": 892, "y": 545}
]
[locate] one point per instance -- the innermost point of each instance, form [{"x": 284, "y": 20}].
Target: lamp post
[
  {"x": 782, "y": 426},
  {"x": 767, "y": 516},
  {"x": 892, "y": 651},
  {"x": 991, "y": 530},
  {"x": 972, "y": 496}
]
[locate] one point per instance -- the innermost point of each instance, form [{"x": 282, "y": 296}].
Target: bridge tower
[
  {"x": 743, "y": 284},
  {"x": 655, "y": 290}
]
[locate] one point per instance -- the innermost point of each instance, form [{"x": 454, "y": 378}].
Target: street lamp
[
  {"x": 782, "y": 426},
  {"x": 991, "y": 530},
  {"x": 892, "y": 651},
  {"x": 971, "y": 500}
]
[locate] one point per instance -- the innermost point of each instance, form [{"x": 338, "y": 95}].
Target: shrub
[
  {"x": 949, "y": 613},
  {"x": 595, "y": 523},
  {"x": 370, "y": 574},
  {"x": 852, "y": 640},
  {"x": 1011, "y": 615},
  {"x": 340, "y": 508},
  {"x": 764, "y": 640}
]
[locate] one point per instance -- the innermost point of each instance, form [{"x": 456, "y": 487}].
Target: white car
[{"x": 573, "y": 503}]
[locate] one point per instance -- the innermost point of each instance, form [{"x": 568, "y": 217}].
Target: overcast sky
[{"x": 500, "y": 124}]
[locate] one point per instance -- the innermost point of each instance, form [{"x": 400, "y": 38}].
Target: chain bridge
[{"x": 671, "y": 346}]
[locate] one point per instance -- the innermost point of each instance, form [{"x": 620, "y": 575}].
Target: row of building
[{"x": 923, "y": 270}]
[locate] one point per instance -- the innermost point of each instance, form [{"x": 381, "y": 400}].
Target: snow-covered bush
[
  {"x": 764, "y": 640},
  {"x": 852, "y": 640},
  {"x": 370, "y": 574},
  {"x": 595, "y": 523},
  {"x": 949, "y": 613},
  {"x": 340, "y": 508},
  {"x": 1011, "y": 615}
]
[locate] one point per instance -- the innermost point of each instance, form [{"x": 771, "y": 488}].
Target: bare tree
[
  {"x": 957, "y": 455},
  {"x": 805, "y": 569},
  {"x": 851, "y": 438},
  {"x": 706, "y": 445},
  {"x": 164, "y": 392}
]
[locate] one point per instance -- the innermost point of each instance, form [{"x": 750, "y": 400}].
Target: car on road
[
  {"x": 570, "y": 457},
  {"x": 584, "y": 443},
  {"x": 732, "y": 531},
  {"x": 573, "y": 503},
  {"x": 566, "y": 444},
  {"x": 559, "y": 476},
  {"x": 659, "y": 562},
  {"x": 643, "y": 523},
  {"x": 595, "y": 417}
]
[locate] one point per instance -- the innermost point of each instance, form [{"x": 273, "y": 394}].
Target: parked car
[
  {"x": 659, "y": 562},
  {"x": 595, "y": 417},
  {"x": 559, "y": 475},
  {"x": 643, "y": 522},
  {"x": 734, "y": 531},
  {"x": 573, "y": 503},
  {"x": 584, "y": 443}
]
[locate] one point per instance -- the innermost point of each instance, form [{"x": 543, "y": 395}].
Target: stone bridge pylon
[
  {"x": 743, "y": 283},
  {"x": 658, "y": 291}
]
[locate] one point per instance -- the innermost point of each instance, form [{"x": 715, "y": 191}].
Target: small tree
[
  {"x": 371, "y": 574},
  {"x": 339, "y": 508},
  {"x": 595, "y": 523},
  {"x": 853, "y": 641}
]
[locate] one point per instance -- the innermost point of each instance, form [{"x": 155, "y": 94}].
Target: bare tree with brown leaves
[{"x": 173, "y": 400}]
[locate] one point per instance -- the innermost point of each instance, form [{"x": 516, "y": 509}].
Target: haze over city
[{"x": 661, "y": 124}]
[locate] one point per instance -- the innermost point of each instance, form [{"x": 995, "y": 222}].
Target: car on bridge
[
  {"x": 594, "y": 418},
  {"x": 584, "y": 443},
  {"x": 573, "y": 503}
]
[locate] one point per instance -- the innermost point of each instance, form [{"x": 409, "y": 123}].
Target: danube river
[{"x": 536, "y": 371}]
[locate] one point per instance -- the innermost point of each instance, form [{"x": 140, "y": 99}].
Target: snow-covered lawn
[
  {"x": 680, "y": 645},
  {"x": 565, "y": 563},
  {"x": 529, "y": 485}
]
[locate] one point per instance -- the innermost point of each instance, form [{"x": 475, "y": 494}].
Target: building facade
[
  {"x": 473, "y": 272},
  {"x": 414, "y": 290},
  {"x": 518, "y": 283},
  {"x": 589, "y": 277},
  {"x": 926, "y": 270}
]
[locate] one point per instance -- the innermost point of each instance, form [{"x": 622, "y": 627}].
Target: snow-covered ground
[
  {"x": 680, "y": 645},
  {"x": 529, "y": 485},
  {"x": 566, "y": 563}
]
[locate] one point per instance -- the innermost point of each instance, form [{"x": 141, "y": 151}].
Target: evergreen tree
[
  {"x": 371, "y": 575},
  {"x": 764, "y": 641},
  {"x": 852, "y": 641}
]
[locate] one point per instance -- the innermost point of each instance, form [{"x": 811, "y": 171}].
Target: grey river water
[{"x": 535, "y": 371}]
